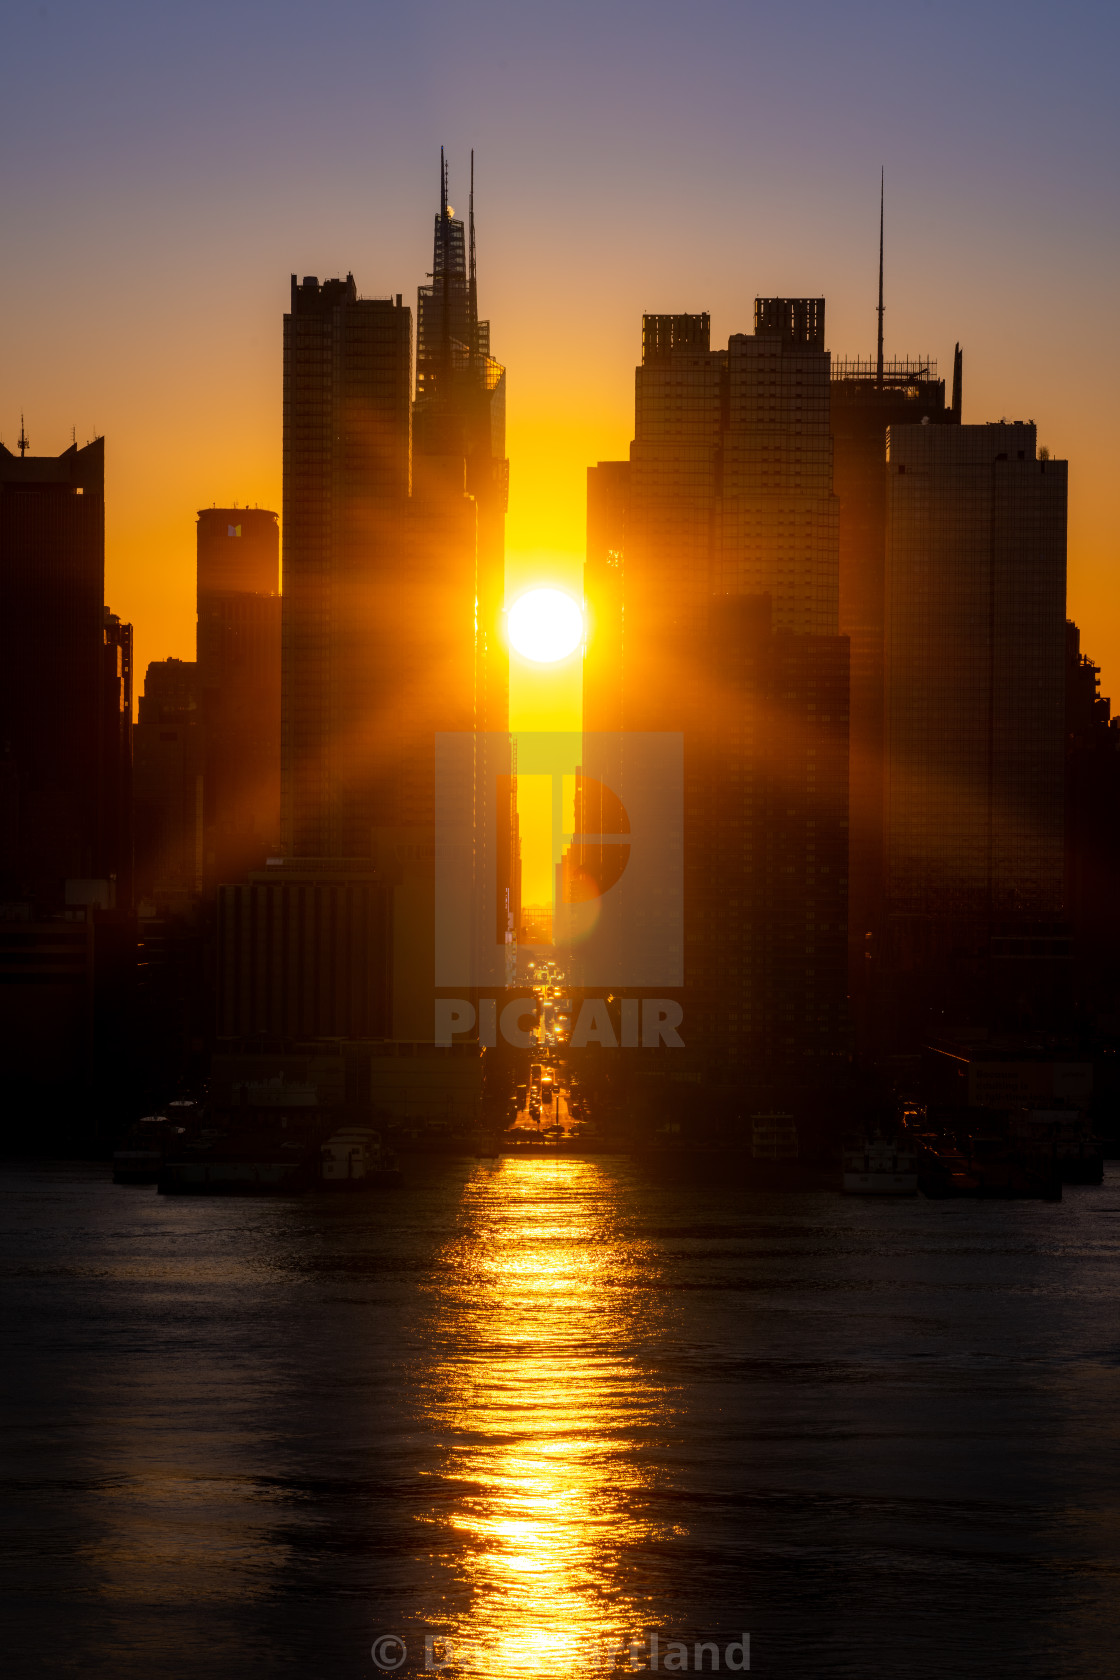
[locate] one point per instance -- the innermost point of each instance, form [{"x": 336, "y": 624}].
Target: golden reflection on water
[{"x": 544, "y": 1405}]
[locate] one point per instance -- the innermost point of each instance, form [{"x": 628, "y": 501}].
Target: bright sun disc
[{"x": 545, "y": 625}]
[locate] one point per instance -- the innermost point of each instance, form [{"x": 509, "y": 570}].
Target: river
[{"x": 523, "y": 1417}]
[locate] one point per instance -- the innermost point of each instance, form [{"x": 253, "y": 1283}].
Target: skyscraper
[
  {"x": 778, "y": 525},
  {"x": 1092, "y": 832},
  {"x": 347, "y": 437},
  {"x": 116, "y": 836},
  {"x": 67, "y": 939},
  {"x": 975, "y": 656},
  {"x": 239, "y": 689},
  {"x": 460, "y": 414},
  {"x": 169, "y": 787},
  {"x": 394, "y": 515},
  {"x": 65, "y": 683},
  {"x": 868, "y": 399},
  {"x": 723, "y": 529},
  {"x": 459, "y": 444},
  {"x": 869, "y": 395}
]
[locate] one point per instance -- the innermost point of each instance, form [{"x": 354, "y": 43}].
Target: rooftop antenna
[
  {"x": 445, "y": 260},
  {"x": 23, "y": 444},
  {"x": 472, "y": 285},
  {"x": 879, "y": 311},
  {"x": 958, "y": 382}
]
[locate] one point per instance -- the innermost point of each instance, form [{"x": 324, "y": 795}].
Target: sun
[{"x": 545, "y": 625}]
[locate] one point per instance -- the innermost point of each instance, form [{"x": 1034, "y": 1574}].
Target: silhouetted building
[
  {"x": 168, "y": 786},
  {"x": 766, "y": 874},
  {"x": 393, "y": 580},
  {"x": 460, "y": 413},
  {"x": 778, "y": 516},
  {"x": 239, "y": 689},
  {"x": 347, "y": 367},
  {"x": 66, "y": 1042},
  {"x": 65, "y": 683},
  {"x": 306, "y": 953},
  {"x": 724, "y": 627},
  {"x": 975, "y": 703},
  {"x": 116, "y": 840},
  {"x": 1092, "y": 836},
  {"x": 867, "y": 399},
  {"x": 459, "y": 428}
]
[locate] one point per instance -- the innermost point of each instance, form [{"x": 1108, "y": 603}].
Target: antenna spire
[
  {"x": 879, "y": 311},
  {"x": 472, "y": 282},
  {"x": 445, "y": 264},
  {"x": 23, "y": 444}
]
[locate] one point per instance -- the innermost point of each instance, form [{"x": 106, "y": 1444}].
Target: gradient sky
[{"x": 166, "y": 168}]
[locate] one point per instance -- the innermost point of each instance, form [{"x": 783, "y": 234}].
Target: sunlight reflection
[{"x": 544, "y": 1390}]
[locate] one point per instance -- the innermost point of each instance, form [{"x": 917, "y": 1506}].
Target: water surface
[{"x": 535, "y": 1410}]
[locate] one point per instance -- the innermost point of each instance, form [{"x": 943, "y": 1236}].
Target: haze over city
[{"x": 164, "y": 170}]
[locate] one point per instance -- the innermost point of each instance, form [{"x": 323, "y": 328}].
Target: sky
[{"x": 165, "y": 168}]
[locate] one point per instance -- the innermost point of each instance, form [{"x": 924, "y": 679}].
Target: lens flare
[{"x": 545, "y": 625}]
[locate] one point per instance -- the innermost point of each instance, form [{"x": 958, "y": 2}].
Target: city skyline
[
  {"x": 559, "y": 838},
  {"x": 645, "y": 212}
]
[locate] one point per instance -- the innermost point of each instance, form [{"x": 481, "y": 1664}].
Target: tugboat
[
  {"x": 352, "y": 1159},
  {"x": 880, "y": 1167},
  {"x": 141, "y": 1155}
]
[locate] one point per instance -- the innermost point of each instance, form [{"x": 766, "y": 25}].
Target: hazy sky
[{"x": 165, "y": 168}]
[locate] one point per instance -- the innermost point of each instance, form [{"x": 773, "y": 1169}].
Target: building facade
[
  {"x": 169, "y": 762},
  {"x": 975, "y": 703},
  {"x": 347, "y": 450},
  {"x": 712, "y": 585},
  {"x": 867, "y": 398},
  {"x": 65, "y": 685},
  {"x": 239, "y": 610}
]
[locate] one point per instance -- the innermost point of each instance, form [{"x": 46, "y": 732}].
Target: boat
[
  {"x": 880, "y": 1167},
  {"x": 352, "y": 1159},
  {"x": 137, "y": 1166},
  {"x": 142, "y": 1153}
]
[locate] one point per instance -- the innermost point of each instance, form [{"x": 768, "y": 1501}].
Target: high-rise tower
[
  {"x": 460, "y": 414},
  {"x": 394, "y": 518},
  {"x": 868, "y": 396},
  {"x": 65, "y": 683},
  {"x": 975, "y": 705},
  {"x": 239, "y": 610},
  {"x": 459, "y": 443},
  {"x": 347, "y": 365},
  {"x": 712, "y": 584}
]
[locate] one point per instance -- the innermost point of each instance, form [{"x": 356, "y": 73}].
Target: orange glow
[
  {"x": 533, "y": 1397},
  {"x": 542, "y": 697}
]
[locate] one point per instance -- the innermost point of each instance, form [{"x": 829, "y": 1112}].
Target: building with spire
[
  {"x": 868, "y": 396},
  {"x": 460, "y": 414},
  {"x": 459, "y": 428},
  {"x": 393, "y": 576}
]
